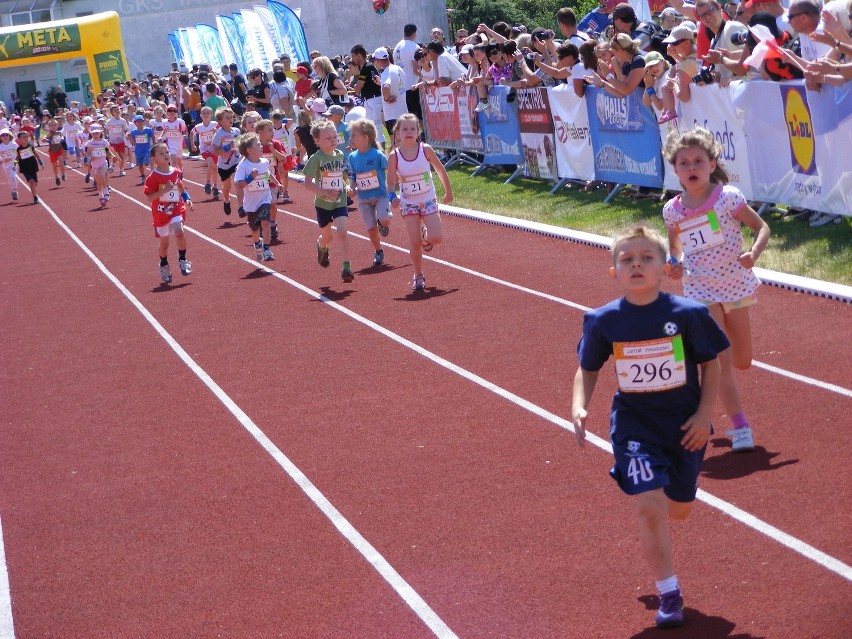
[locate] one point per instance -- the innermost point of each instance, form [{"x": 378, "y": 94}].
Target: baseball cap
[
  {"x": 468, "y": 48},
  {"x": 303, "y": 70},
  {"x": 88, "y": 120},
  {"x": 380, "y": 54},
  {"x": 95, "y": 128},
  {"x": 751, "y": 4},
  {"x": 318, "y": 105},
  {"x": 680, "y": 32},
  {"x": 138, "y": 117},
  {"x": 6, "y": 132},
  {"x": 653, "y": 57},
  {"x": 335, "y": 109},
  {"x": 669, "y": 11}
]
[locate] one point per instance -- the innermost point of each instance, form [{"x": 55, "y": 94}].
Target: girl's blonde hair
[
  {"x": 245, "y": 141},
  {"x": 700, "y": 138},
  {"x": 305, "y": 118},
  {"x": 367, "y": 128},
  {"x": 263, "y": 124}
]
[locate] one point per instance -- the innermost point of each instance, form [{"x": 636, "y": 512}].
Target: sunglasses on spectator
[
  {"x": 790, "y": 16},
  {"x": 705, "y": 14}
]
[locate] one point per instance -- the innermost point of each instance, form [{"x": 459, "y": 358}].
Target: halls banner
[
  {"x": 501, "y": 134},
  {"x": 625, "y": 139},
  {"x": 712, "y": 107},
  {"x": 537, "y": 139},
  {"x": 450, "y": 119},
  {"x": 798, "y": 144},
  {"x": 574, "y": 157}
]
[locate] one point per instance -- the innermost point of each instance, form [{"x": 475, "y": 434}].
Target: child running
[
  {"x": 417, "y": 199},
  {"x": 141, "y": 138},
  {"x": 283, "y": 131},
  {"x": 704, "y": 224},
  {"x": 201, "y": 139},
  {"x": 98, "y": 150},
  {"x": 71, "y": 129},
  {"x": 117, "y": 130},
  {"x": 660, "y": 416},
  {"x": 225, "y": 150},
  {"x": 164, "y": 188},
  {"x": 276, "y": 154},
  {"x": 82, "y": 138},
  {"x": 326, "y": 176},
  {"x": 28, "y": 162},
  {"x": 367, "y": 175},
  {"x": 254, "y": 178},
  {"x": 55, "y": 151},
  {"x": 174, "y": 134},
  {"x": 8, "y": 155}
]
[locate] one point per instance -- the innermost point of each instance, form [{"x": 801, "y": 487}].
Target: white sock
[{"x": 667, "y": 585}]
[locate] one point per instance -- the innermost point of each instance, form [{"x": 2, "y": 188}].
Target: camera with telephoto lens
[
  {"x": 739, "y": 38},
  {"x": 704, "y": 76}
]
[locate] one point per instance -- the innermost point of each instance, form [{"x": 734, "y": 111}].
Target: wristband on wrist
[
  {"x": 248, "y": 179},
  {"x": 185, "y": 196},
  {"x": 650, "y": 91},
  {"x": 392, "y": 196}
]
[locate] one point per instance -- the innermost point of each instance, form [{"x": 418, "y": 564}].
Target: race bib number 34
[
  {"x": 655, "y": 365},
  {"x": 700, "y": 233}
]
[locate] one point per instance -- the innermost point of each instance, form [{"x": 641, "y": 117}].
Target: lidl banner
[
  {"x": 798, "y": 144},
  {"x": 712, "y": 107},
  {"x": 537, "y": 139},
  {"x": 450, "y": 119},
  {"x": 501, "y": 134},
  {"x": 96, "y": 38},
  {"x": 625, "y": 139},
  {"x": 574, "y": 157}
]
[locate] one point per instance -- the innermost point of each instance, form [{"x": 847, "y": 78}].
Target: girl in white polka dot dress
[{"x": 705, "y": 242}]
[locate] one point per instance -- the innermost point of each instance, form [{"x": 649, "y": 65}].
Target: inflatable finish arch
[{"x": 96, "y": 38}]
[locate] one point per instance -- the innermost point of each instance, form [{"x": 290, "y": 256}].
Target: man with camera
[{"x": 726, "y": 41}]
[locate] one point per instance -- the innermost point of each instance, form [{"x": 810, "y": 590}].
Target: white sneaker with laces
[
  {"x": 742, "y": 440},
  {"x": 165, "y": 273},
  {"x": 185, "y": 267}
]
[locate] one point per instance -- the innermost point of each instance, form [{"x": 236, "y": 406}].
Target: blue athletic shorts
[
  {"x": 143, "y": 156},
  {"x": 326, "y": 216},
  {"x": 642, "y": 465}
]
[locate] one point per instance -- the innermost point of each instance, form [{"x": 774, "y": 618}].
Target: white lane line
[
  {"x": 7, "y": 627},
  {"x": 417, "y": 604},
  {"x": 804, "y": 549}
]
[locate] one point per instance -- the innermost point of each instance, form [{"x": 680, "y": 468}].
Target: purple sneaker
[{"x": 670, "y": 614}]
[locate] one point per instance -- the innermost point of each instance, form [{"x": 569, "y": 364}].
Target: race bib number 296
[{"x": 650, "y": 366}]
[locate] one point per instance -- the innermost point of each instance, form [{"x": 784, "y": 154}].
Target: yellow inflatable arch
[{"x": 96, "y": 38}]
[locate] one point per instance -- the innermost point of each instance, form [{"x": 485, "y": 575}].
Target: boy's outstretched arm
[
  {"x": 584, "y": 386},
  {"x": 697, "y": 427}
]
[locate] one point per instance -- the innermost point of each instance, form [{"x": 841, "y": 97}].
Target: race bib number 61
[{"x": 655, "y": 365}]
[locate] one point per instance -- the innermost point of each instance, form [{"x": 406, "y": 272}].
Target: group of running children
[{"x": 660, "y": 417}]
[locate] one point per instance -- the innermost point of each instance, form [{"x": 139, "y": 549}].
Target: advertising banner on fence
[
  {"x": 501, "y": 134},
  {"x": 537, "y": 139},
  {"x": 798, "y": 144},
  {"x": 574, "y": 157},
  {"x": 450, "y": 119},
  {"x": 712, "y": 107},
  {"x": 625, "y": 139}
]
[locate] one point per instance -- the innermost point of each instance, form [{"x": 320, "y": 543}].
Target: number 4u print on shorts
[{"x": 650, "y": 366}]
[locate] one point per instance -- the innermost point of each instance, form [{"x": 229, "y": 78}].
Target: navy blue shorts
[
  {"x": 326, "y": 216},
  {"x": 262, "y": 214},
  {"x": 642, "y": 465},
  {"x": 143, "y": 156}
]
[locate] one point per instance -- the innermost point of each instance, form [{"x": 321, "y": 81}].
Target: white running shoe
[
  {"x": 742, "y": 440},
  {"x": 185, "y": 267},
  {"x": 166, "y": 273}
]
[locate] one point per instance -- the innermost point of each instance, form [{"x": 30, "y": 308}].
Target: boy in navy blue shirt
[{"x": 660, "y": 418}]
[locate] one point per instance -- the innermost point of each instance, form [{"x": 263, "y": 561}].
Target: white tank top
[{"x": 415, "y": 178}]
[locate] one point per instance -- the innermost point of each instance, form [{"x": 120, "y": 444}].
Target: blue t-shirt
[
  {"x": 142, "y": 139},
  {"x": 594, "y": 22},
  {"x": 658, "y": 348},
  {"x": 343, "y": 137},
  {"x": 369, "y": 167}
]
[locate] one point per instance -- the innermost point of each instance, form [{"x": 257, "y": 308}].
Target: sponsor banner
[
  {"x": 109, "y": 66},
  {"x": 501, "y": 133},
  {"x": 230, "y": 40},
  {"x": 537, "y": 138},
  {"x": 712, "y": 107},
  {"x": 291, "y": 31},
  {"x": 257, "y": 41},
  {"x": 177, "y": 53},
  {"x": 625, "y": 139},
  {"x": 574, "y": 156},
  {"x": 48, "y": 40},
  {"x": 798, "y": 144},
  {"x": 195, "y": 53},
  {"x": 450, "y": 119},
  {"x": 212, "y": 47}
]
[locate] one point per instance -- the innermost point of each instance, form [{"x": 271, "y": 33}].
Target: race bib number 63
[{"x": 651, "y": 366}]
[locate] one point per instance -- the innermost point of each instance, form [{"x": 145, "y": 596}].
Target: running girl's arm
[
  {"x": 441, "y": 171},
  {"x": 675, "y": 268},
  {"x": 391, "y": 182},
  {"x": 760, "y": 228},
  {"x": 697, "y": 427},
  {"x": 584, "y": 386}
]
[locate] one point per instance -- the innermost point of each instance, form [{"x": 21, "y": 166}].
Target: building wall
[{"x": 331, "y": 26}]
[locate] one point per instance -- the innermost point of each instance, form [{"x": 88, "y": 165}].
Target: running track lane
[{"x": 515, "y": 445}]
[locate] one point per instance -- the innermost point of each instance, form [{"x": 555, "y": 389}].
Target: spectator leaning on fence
[
  {"x": 628, "y": 68},
  {"x": 449, "y": 69},
  {"x": 723, "y": 32},
  {"x": 837, "y": 24}
]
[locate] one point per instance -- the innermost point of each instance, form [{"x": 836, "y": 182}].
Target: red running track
[{"x": 135, "y": 503}]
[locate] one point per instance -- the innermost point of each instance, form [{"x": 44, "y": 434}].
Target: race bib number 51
[
  {"x": 700, "y": 233},
  {"x": 655, "y": 365}
]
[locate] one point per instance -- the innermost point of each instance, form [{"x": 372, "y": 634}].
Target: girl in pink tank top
[{"x": 410, "y": 167}]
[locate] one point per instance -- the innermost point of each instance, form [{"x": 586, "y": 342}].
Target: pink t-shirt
[
  {"x": 498, "y": 74},
  {"x": 711, "y": 237}
]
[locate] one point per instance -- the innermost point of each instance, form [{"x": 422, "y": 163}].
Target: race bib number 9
[
  {"x": 415, "y": 184},
  {"x": 652, "y": 366},
  {"x": 367, "y": 181},
  {"x": 170, "y": 196},
  {"x": 332, "y": 180},
  {"x": 700, "y": 233}
]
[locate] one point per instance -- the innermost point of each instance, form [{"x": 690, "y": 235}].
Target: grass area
[{"x": 824, "y": 253}]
